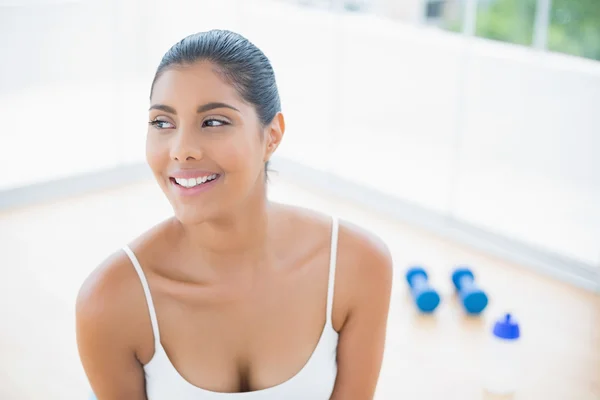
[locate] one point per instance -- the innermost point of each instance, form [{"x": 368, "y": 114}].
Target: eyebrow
[{"x": 201, "y": 109}]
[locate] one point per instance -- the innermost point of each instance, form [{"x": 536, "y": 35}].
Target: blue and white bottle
[{"x": 502, "y": 357}]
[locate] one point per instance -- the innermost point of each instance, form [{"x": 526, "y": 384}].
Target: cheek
[
  {"x": 239, "y": 156},
  {"x": 156, "y": 154}
]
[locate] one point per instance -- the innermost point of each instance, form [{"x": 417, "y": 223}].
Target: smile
[
  {"x": 193, "y": 182},
  {"x": 193, "y": 186}
]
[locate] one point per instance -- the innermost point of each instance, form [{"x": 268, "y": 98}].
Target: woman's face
[{"x": 205, "y": 144}]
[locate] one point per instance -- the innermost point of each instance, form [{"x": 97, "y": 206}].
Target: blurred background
[{"x": 477, "y": 122}]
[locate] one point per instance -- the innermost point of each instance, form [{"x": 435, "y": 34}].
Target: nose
[{"x": 186, "y": 146}]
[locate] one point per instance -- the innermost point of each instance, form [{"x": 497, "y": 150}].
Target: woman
[{"x": 235, "y": 297}]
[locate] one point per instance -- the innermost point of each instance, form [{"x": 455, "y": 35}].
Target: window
[{"x": 434, "y": 9}]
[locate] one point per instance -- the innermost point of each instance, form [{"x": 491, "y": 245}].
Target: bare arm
[
  {"x": 105, "y": 336},
  {"x": 362, "y": 337}
]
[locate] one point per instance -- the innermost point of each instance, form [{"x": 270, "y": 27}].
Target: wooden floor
[{"x": 46, "y": 251}]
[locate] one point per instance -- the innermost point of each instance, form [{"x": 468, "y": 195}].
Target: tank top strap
[
  {"x": 149, "y": 302},
  {"x": 332, "y": 266}
]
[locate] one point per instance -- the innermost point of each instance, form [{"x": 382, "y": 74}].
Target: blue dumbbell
[
  {"x": 473, "y": 299},
  {"x": 425, "y": 297}
]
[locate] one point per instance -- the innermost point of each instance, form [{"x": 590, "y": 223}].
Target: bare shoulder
[
  {"x": 364, "y": 266},
  {"x": 115, "y": 276},
  {"x": 109, "y": 277},
  {"x": 112, "y": 300},
  {"x": 360, "y": 251},
  {"x": 364, "y": 274},
  {"x": 364, "y": 254},
  {"x": 108, "y": 298},
  {"x": 365, "y": 262},
  {"x": 114, "y": 338}
]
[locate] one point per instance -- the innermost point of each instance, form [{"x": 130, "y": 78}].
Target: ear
[{"x": 274, "y": 135}]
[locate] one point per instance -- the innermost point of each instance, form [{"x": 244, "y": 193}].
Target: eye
[
  {"x": 214, "y": 122},
  {"x": 160, "y": 124}
]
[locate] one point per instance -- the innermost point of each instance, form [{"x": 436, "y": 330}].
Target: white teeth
[{"x": 189, "y": 183}]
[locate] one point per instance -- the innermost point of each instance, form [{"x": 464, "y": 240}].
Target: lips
[{"x": 195, "y": 185}]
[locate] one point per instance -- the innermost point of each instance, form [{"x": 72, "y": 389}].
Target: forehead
[{"x": 192, "y": 85}]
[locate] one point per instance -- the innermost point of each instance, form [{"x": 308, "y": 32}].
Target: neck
[{"x": 236, "y": 239}]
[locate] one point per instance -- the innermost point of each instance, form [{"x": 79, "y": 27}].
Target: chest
[{"x": 248, "y": 336}]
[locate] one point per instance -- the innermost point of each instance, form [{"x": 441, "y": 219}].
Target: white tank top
[{"x": 315, "y": 381}]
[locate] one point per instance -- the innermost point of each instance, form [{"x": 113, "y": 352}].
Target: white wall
[
  {"x": 410, "y": 11},
  {"x": 495, "y": 135},
  {"x": 500, "y": 136},
  {"x": 529, "y": 160}
]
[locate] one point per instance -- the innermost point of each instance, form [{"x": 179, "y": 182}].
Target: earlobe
[{"x": 271, "y": 147}]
